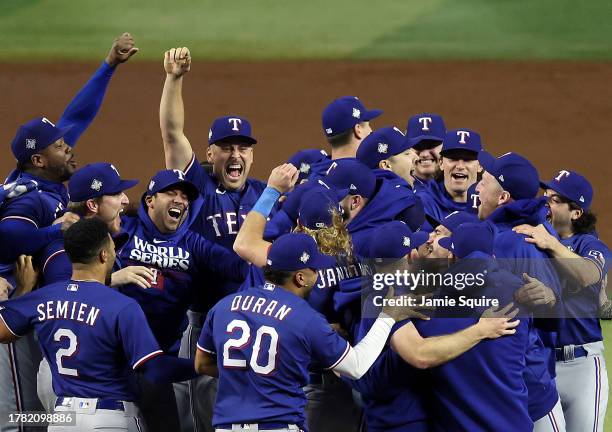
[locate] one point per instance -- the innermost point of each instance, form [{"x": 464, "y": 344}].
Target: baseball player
[
  {"x": 261, "y": 341},
  {"x": 507, "y": 193},
  {"x": 387, "y": 150},
  {"x": 160, "y": 239},
  {"x": 44, "y": 154},
  {"x": 368, "y": 202},
  {"x": 330, "y": 404},
  {"x": 346, "y": 122},
  {"x": 584, "y": 263},
  {"x": 391, "y": 387},
  {"x": 91, "y": 335},
  {"x": 460, "y": 169},
  {"x": 228, "y": 196},
  {"x": 426, "y": 132}
]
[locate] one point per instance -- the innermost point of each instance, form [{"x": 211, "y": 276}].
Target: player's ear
[
  {"x": 209, "y": 154},
  {"x": 504, "y": 198},
  {"x": 575, "y": 214},
  {"x": 38, "y": 160},
  {"x": 149, "y": 201},
  {"x": 92, "y": 205},
  {"x": 384, "y": 164}
]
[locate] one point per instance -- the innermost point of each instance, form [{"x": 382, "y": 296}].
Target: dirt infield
[{"x": 557, "y": 114}]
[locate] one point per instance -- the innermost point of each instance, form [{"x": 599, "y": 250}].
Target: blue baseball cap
[
  {"x": 316, "y": 207},
  {"x": 95, "y": 180},
  {"x": 35, "y": 136},
  {"x": 425, "y": 126},
  {"x": 461, "y": 139},
  {"x": 167, "y": 179},
  {"x": 468, "y": 238},
  {"x": 297, "y": 251},
  {"x": 382, "y": 144},
  {"x": 304, "y": 158},
  {"x": 230, "y": 127},
  {"x": 572, "y": 186},
  {"x": 454, "y": 219},
  {"x": 351, "y": 177},
  {"x": 344, "y": 113},
  {"x": 513, "y": 172},
  {"x": 395, "y": 240}
]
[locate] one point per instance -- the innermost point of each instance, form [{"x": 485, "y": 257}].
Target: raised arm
[
  {"x": 177, "y": 149},
  {"x": 250, "y": 244},
  {"x": 82, "y": 110}
]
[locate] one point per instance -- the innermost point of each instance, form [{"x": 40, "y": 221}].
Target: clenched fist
[{"x": 177, "y": 61}]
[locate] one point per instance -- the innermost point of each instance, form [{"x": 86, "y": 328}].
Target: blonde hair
[{"x": 332, "y": 240}]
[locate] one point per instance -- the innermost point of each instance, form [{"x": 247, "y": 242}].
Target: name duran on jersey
[
  {"x": 262, "y": 306},
  {"x": 169, "y": 257}
]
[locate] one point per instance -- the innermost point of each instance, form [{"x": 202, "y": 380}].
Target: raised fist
[
  {"x": 177, "y": 61},
  {"x": 123, "y": 48}
]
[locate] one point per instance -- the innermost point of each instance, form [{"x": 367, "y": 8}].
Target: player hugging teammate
[{"x": 231, "y": 304}]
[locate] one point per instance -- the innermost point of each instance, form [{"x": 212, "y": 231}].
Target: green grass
[
  {"x": 607, "y": 331},
  {"x": 33, "y": 30}
]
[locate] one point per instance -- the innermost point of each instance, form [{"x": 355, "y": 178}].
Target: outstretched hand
[{"x": 283, "y": 177}]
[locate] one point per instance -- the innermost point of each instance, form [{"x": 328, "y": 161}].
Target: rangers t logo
[
  {"x": 462, "y": 134},
  {"x": 425, "y": 121},
  {"x": 235, "y": 122},
  {"x": 562, "y": 173}
]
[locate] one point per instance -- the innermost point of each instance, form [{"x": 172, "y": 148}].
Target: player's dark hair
[
  {"x": 24, "y": 166},
  {"x": 342, "y": 139},
  {"x": 586, "y": 223},
  {"x": 277, "y": 277},
  {"x": 84, "y": 240}
]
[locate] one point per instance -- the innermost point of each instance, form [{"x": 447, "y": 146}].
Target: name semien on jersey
[{"x": 70, "y": 310}]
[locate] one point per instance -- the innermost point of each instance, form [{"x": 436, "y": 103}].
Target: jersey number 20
[{"x": 243, "y": 341}]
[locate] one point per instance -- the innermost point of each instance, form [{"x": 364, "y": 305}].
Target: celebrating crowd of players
[{"x": 231, "y": 304}]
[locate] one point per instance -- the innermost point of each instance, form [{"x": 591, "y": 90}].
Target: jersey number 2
[
  {"x": 65, "y": 352},
  {"x": 243, "y": 341}
]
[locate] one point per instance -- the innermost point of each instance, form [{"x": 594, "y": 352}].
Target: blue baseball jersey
[
  {"x": 91, "y": 335},
  {"x": 581, "y": 307},
  {"x": 484, "y": 388},
  {"x": 438, "y": 203},
  {"x": 518, "y": 256},
  {"x": 264, "y": 339},
  {"x": 177, "y": 260},
  {"x": 389, "y": 201},
  {"x": 219, "y": 221}
]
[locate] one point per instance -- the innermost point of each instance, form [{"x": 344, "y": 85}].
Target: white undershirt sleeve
[{"x": 361, "y": 357}]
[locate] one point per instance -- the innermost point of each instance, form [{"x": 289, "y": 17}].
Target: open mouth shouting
[
  {"x": 459, "y": 176},
  {"x": 234, "y": 170},
  {"x": 176, "y": 213}
]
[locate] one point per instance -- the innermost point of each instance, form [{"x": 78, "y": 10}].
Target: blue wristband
[{"x": 266, "y": 201}]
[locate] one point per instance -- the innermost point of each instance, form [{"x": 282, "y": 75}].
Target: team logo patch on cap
[
  {"x": 30, "y": 143},
  {"x": 581, "y": 199},
  {"x": 151, "y": 184},
  {"x": 501, "y": 178},
  {"x": 96, "y": 185},
  {"x": 352, "y": 187},
  {"x": 406, "y": 241},
  {"x": 328, "y": 130},
  {"x": 356, "y": 113},
  {"x": 305, "y": 257},
  {"x": 304, "y": 168},
  {"x": 209, "y": 133},
  {"x": 382, "y": 147}
]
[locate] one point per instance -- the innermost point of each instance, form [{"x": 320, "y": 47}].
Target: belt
[
  {"x": 105, "y": 404},
  {"x": 260, "y": 426},
  {"x": 570, "y": 352}
]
